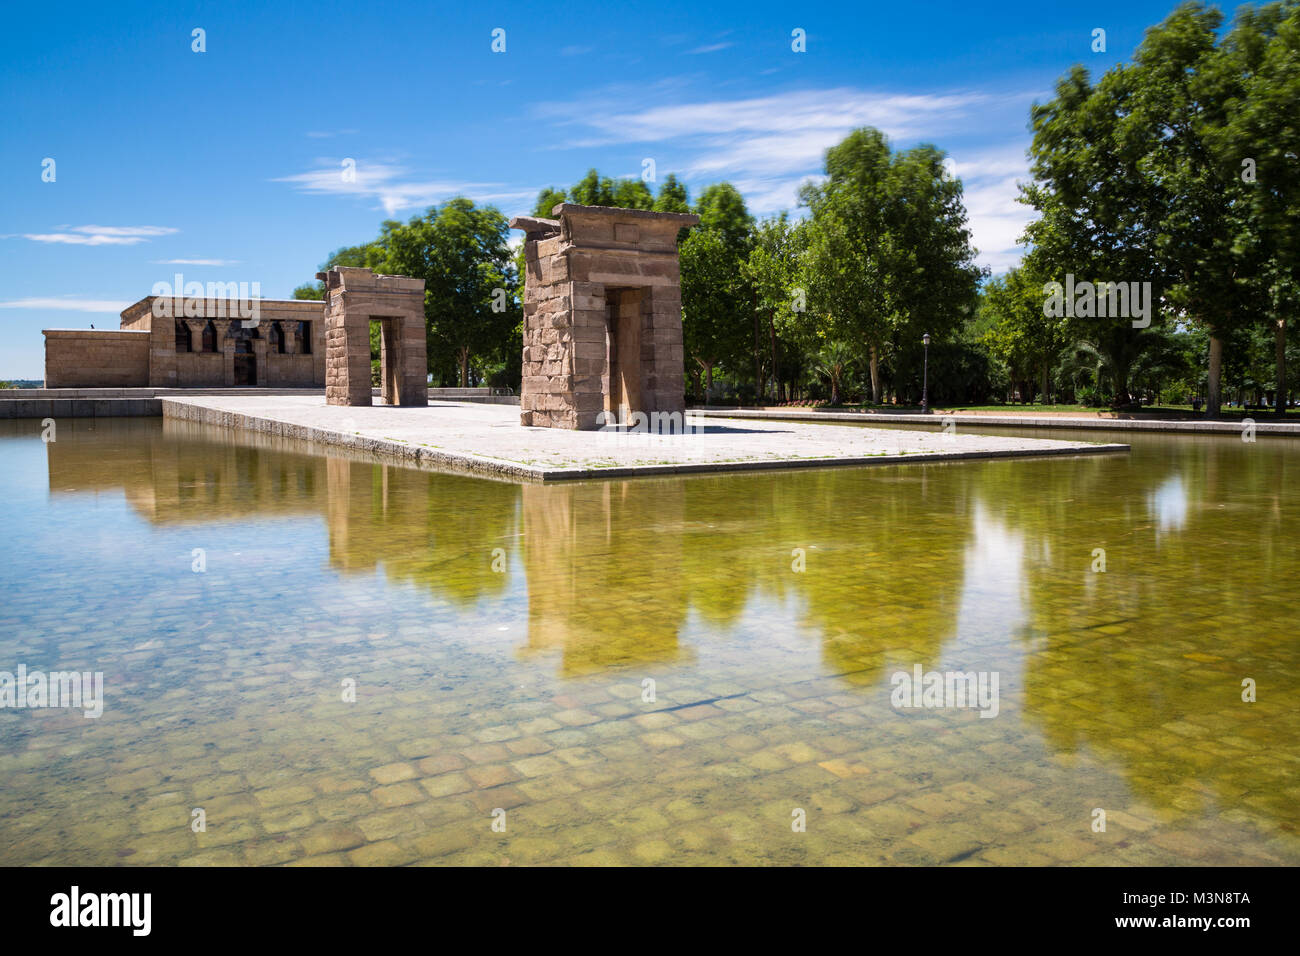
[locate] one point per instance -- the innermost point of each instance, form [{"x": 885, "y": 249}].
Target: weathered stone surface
[
  {"x": 150, "y": 349},
  {"x": 355, "y": 297},
  {"x": 602, "y": 315}
]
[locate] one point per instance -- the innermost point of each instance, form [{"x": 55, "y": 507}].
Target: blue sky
[{"x": 227, "y": 165}]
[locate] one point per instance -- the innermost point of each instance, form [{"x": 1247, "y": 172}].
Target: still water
[{"x": 342, "y": 661}]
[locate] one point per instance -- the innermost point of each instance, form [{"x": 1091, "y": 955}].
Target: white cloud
[
  {"x": 710, "y": 48},
  {"x": 102, "y": 235},
  {"x": 394, "y": 187},
  {"x": 823, "y": 114},
  {"x": 67, "y": 305},
  {"x": 990, "y": 186},
  {"x": 767, "y": 146}
]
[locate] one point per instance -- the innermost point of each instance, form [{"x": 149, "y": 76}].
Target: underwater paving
[{"x": 348, "y": 661}]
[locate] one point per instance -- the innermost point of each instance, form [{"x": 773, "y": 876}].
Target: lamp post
[{"x": 925, "y": 381}]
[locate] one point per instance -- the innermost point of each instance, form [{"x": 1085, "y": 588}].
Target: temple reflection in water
[{"x": 978, "y": 567}]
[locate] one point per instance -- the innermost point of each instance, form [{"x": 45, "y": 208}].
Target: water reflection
[
  {"x": 1168, "y": 504},
  {"x": 813, "y": 584}
]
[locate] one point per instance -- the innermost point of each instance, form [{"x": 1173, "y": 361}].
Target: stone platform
[{"x": 488, "y": 439}]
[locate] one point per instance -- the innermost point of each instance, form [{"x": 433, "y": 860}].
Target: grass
[{"x": 1152, "y": 411}]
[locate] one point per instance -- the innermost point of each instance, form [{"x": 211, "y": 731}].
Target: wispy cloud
[
  {"x": 195, "y": 262},
  {"x": 395, "y": 187},
  {"x": 710, "y": 48},
  {"x": 575, "y": 50},
  {"x": 768, "y": 145},
  {"x": 102, "y": 235},
  {"x": 990, "y": 186},
  {"x": 67, "y": 305}
]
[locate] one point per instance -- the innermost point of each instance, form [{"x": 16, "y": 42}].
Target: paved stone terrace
[{"x": 488, "y": 439}]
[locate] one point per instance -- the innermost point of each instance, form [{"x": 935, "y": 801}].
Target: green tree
[
  {"x": 470, "y": 285},
  {"x": 772, "y": 270},
  {"x": 633, "y": 194},
  {"x": 673, "y": 196},
  {"x": 722, "y": 209},
  {"x": 593, "y": 190},
  {"x": 1140, "y": 178},
  {"x": 548, "y": 199},
  {"x": 714, "y": 305},
  {"x": 1021, "y": 336},
  {"x": 1260, "y": 144},
  {"x": 368, "y": 255},
  {"x": 931, "y": 277},
  {"x": 832, "y": 363},
  {"x": 846, "y": 267}
]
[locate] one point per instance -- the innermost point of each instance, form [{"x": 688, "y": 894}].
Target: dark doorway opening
[
  {"x": 623, "y": 344},
  {"x": 245, "y": 364},
  {"x": 386, "y": 331}
]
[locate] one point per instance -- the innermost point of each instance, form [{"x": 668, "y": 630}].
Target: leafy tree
[
  {"x": 1140, "y": 178},
  {"x": 593, "y": 190},
  {"x": 368, "y": 255},
  {"x": 1096, "y": 218},
  {"x": 470, "y": 284},
  {"x": 932, "y": 278},
  {"x": 832, "y": 363},
  {"x": 772, "y": 270},
  {"x": 1260, "y": 133},
  {"x": 888, "y": 253},
  {"x": 548, "y": 199},
  {"x": 673, "y": 196},
  {"x": 1027, "y": 341},
  {"x": 633, "y": 194},
  {"x": 722, "y": 209},
  {"x": 714, "y": 304}
]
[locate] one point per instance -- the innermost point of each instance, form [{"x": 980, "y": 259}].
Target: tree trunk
[
  {"x": 1044, "y": 378},
  {"x": 1279, "y": 339},
  {"x": 463, "y": 355},
  {"x": 708, "y": 372},
  {"x": 875, "y": 375},
  {"x": 1213, "y": 398},
  {"x": 776, "y": 369}
]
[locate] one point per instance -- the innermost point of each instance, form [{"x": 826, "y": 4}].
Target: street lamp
[{"x": 925, "y": 382}]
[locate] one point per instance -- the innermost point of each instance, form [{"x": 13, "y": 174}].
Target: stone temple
[
  {"x": 176, "y": 342},
  {"x": 602, "y": 330},
  {"x": 602, "y": 316}
]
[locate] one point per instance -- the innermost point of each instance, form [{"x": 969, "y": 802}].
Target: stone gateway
[
  {"x": 602, "y": 316},
  {"x": 353, "y": 299}
]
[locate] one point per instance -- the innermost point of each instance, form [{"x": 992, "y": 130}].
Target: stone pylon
[
  {"x": 353, "y": 299},
  {"x": 602, "y": 316}
]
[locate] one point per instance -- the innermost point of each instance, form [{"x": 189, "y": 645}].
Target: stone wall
[
  {"x": 84, "y": 358},
  {"x": 98, "y": 358},
  {"x": 602, "y": 315},
  {"x": 169, "y": 368}
]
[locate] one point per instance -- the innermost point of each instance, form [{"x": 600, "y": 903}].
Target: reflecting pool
[{"x": 344, "y": 661}]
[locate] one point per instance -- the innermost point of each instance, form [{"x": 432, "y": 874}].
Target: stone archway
[
  {"x": 353, "y": 299},
  {"x": 602, "y": 315}
]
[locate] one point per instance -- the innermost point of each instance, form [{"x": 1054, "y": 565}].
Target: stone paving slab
[{"x": 488, "y": 439}]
